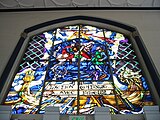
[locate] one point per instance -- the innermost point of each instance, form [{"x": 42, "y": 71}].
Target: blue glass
[
  {"x": 91, "y": 71},
  {"x": 63, "y": 71},
  {"x": 26, "y": 88}
]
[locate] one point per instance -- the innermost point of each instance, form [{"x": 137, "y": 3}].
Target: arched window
[{"x": 78, "y": 67}]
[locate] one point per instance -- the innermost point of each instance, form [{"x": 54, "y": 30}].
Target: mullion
[
  {"x": 78, "y": 81},
  {"x": 111, "y": 72},
  {"x": 43, "y": 88}
]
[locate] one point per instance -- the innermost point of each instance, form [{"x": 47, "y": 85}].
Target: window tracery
[{"x": 76, "y": 68}]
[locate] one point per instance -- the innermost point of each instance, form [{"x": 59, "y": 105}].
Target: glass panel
[
  {"x": 25, "y": 92},
  {"x": 147, "y": 98},
  {"x": 40, "y": 65},
  {"x": 114, "y": 36},
  {"x": 91, "y": 71},
  {"x": 89, "y": 28},
  {"x": 89, "y": 102},
  {"x": 93, "y": 61},
  {"x": 120, "y": 50},
  {"x": 94, "y": 94},
  {"x": 88, "y": 49},
  {"x": 39, "y": 47},
  {"x": 62, "y": 95},
  {"x": 66, "y": 51},
  {"x": 126, "y": 65},
  {"x": 119, "y": 46},
  {"x": 93, "y": 35},
  {"x": 96, "y": 88},
  {"x": 130, "y": 87},
  {"x": 66, "y": 34},
  {"x": 128, "y": 75},
  {"x": 125, "y": 51},
  {"x": 70, "y": 28},
  {"x": 63, "y": 71},
  {"x": 132, "y": 102}
]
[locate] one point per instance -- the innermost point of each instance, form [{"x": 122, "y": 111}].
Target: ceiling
[{"x": 21, "y": 4}]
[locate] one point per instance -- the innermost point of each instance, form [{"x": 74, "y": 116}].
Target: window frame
[{"x": 147, "y": 63}]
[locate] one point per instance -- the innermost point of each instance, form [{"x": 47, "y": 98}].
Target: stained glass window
[{"x": 77, "y": 68}]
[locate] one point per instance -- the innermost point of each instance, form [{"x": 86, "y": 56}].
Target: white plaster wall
[{"x": 13, "y": 23}]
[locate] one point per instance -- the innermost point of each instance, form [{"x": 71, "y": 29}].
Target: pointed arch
[{"x": 61, "y": 58}]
